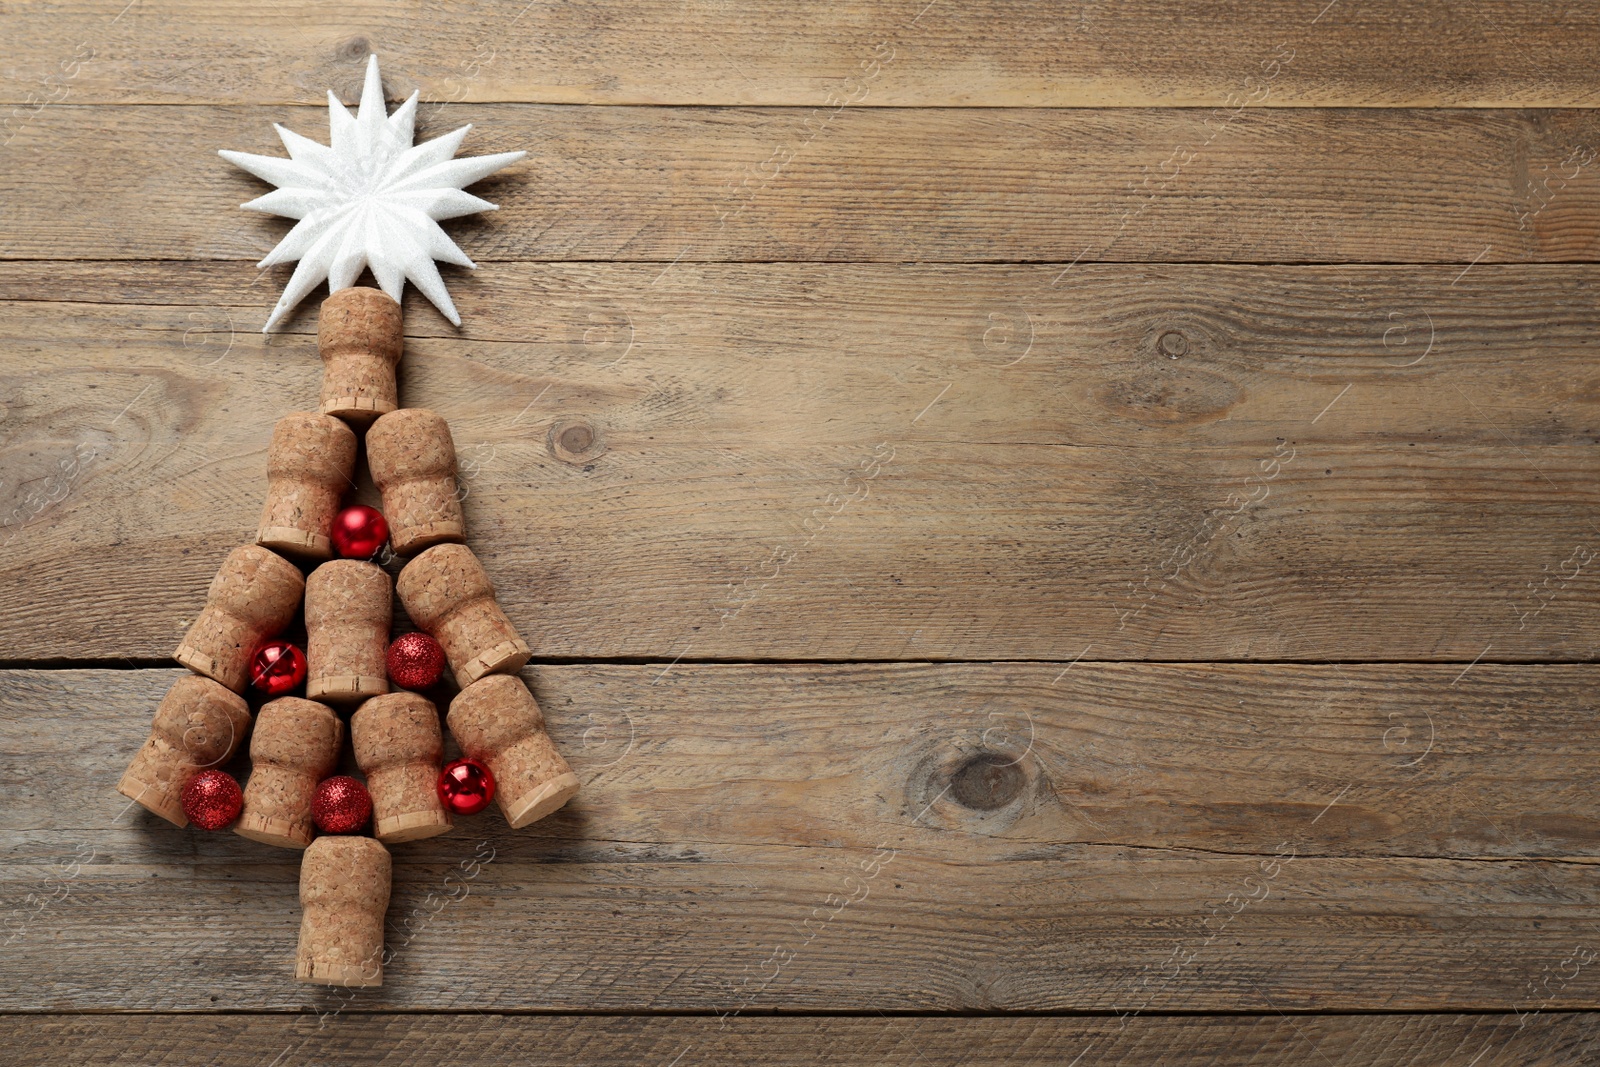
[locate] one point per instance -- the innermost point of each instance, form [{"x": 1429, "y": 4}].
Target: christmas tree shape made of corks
[{"x": 296, "y": 742}]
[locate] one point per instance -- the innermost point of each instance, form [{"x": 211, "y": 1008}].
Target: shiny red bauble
[
  {"x": 342, "y": 805},
  {"x": 212, "y": 799},
  {"x": 415, "y": 661},
  {"x": 466, "y": 786},
  {"x": 359, "y": 532},
  {"x": 278, "y": 667}
]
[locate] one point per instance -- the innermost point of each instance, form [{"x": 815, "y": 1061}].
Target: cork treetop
[{"x": 369, "y": 198}]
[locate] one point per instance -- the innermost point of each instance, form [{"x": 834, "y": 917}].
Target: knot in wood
[
  {"x": 987, "y": 782},
  {"x": 577, "y": 438},
  {"x": 575, "y": 441}
]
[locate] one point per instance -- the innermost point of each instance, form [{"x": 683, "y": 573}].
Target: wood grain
[
  {"x": 1047, "y": 337},
  {"x": 931, "y": 185},
  {"x": 1176, "y": 354},
  {"x": 498, "y": 1040},
  {"x": 1008, "y": 761},
  {"x": 984, "y": 838},
  {"x": 863, "y": 462},
  {"x": 911, "y": 53}
]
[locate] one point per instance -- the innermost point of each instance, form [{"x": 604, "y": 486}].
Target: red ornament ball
[
  {"x": 342, "y": 805},
  {"x": 466, "y": 786},
  {"x": 212, "y": 799},
  {"x": 415, "y": 661},
  {"x": 359, "y": 532},
  {"x": 278, "y": 667}
]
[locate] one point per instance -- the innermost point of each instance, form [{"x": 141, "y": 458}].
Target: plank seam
[{"x": 142, "y": 664}]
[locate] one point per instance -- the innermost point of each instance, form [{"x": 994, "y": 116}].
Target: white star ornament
[{"x": 369, "y": 198}]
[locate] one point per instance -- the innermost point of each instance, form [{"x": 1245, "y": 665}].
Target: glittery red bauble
[
  {"x": 341, "y": 806},
  {"x": 359, "y": 532},
  {"x": 212, "y": 799},
  {"x": 277, "y": 668},
  {"x": 466, "y": 786},
  {"x": 415, "y": 661}
]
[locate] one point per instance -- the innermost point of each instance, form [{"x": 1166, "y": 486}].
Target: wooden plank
[
  {"x": 1341, "y": 464},
  {"x": 1209, "y": 757},
  {"x": 497, "y": 1040},
  {"x": 953, "y": 184},
  {"x": 1025, "y": 53},
  {"x": 1191, "y": 354},
  {"x": 930, "y": 837}
]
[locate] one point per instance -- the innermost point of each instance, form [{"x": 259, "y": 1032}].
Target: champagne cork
[
  {"x": 348, "y": 606},
  {"x": 359, "y": 336},
  {"x": 309, "y": 467},
  {"x": 253, "y": 597},
  {"x": 344, "y": 891},
  {"x": 399, "y": 748},
  {"x": 447, "y": 593},
  {"x": 497, "y": 721},
  {"x": 198, "y": 724},
  {"x": 295, "y": 746},
  {"x": 413, "y": 462}
]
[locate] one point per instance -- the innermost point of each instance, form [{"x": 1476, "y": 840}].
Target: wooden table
[{"x": 1052, "y": 533}]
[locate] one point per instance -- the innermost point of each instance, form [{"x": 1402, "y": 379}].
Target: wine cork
[
  {"x": 413, "y": 462},
  {"x": 359, "y": 336},
  {"x": 399, "y": 748},
  {"x": 253, "y": 597},
  {"x": 198, "y": 724},
  {"x": 295, "y": 746},
  {"x": 496, "y": 720},
  {"x": 447, "y": 593},
  {"x": 344, "y": 891},
  {"x": 309, "y": 467},
  {"x": 348, "y": 606}
]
